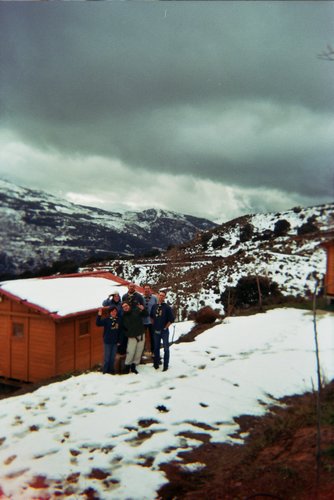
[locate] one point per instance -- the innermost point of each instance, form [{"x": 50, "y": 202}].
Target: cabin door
[{"x": 19, "y": 348}]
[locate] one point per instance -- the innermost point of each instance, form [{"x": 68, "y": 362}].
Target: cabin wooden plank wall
[
  {"x": 26, "y": 343},
  {"x": 19, "y": 337},
  {"x": 88, "y": 342},
  {"x": 14, "y": 323},
  {"x": 96, "y": 343},
  {"x": 82, "y": 343},
  {"x": 65, "y": 348},
  {"x": 34, "y": 346},
  {"x": 79, "y": 344},
  {"x": 41, "y": 349},
  {"x": 4, "y": 337}
]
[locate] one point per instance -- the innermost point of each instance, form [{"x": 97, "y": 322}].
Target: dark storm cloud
[{"x": 229, "y": 91}]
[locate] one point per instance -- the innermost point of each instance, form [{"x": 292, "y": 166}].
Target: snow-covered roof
[{"x": 62, "y": 296}]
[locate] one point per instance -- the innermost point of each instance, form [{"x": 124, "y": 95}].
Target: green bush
[
  {"x": 246, "y": 232},
  {"x": 281, "y": 228},
  {"x": 246, "y": 292}
]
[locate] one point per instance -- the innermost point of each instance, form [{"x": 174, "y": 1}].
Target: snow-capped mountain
[
  {"x": 38, "y": 229},
  {"x": 284, "y": 247}
]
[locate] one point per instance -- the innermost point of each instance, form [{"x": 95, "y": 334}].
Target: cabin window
[
  {"x": 18, "y": 330},
  {"x": 84, "y": 327}
]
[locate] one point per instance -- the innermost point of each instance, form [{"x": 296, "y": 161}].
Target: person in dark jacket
[
  {"x": 149, "y": 301},
  {"x": 132, "y": 297},
  {"x": 111, "y": 337},
  {"x": 134, "y": 330},
  {"x": 162, "y": 317}
]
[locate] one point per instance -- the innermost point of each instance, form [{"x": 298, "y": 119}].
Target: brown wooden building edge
[{"x": 329, "y": 277}]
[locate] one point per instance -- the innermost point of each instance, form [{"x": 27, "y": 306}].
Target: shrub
[
  {"x": 266, "y": 235},
  {"x": 308, "y": 227},
  {"x": 219, "y": 242},
  {"x": 155, "y": 252},
  {"x": 282, "y": 226},
  {"x": 246, "y": 232},
  {"x": 205, "y": 238},
  {"x": 119, "y": 269},
  {"x": 191, "y": 315},
  {"x": 206, "y": 315},
  {"x": 246, "y": 293}
]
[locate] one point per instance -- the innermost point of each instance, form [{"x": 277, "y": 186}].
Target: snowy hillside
[
  {"x": 285, "y": 247},
  {"x": 107, "y": 437},
  {"x": 38, "y": 229}
]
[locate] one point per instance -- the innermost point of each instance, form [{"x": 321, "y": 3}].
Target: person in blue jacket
[
  {"x": 111, "y": 337},
  {"x": 162, "y": 317},
  {"x": 114, "y": 299}
]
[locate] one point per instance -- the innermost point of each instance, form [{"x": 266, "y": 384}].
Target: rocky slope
[
  {"x": 38, "y": 229},
  {"x": 285, "y": 247}
]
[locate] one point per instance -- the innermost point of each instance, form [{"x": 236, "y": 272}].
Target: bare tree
[{"x": 318, "y": 392}]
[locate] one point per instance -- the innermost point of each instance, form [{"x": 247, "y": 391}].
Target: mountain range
[
  {"x": 194, "y": 259},
  {"x": 39, "y": 229}
]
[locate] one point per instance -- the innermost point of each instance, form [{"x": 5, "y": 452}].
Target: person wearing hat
[
  {"x": 114, "y": 299},
  {"x": 111, "y": 337}
]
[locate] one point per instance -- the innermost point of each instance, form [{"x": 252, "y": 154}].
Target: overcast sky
[{"x": 214, "y": 109}]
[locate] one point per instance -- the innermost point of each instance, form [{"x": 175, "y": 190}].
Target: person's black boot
[
  {"x": 127, "y": 369},
  {"x": 133, "y": 368}
]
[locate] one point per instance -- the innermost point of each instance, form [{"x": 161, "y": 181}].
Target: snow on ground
[{"x": 111, "y": 433}]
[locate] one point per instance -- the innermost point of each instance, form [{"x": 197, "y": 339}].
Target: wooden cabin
[
  {"x": 47, "y": 325},
  {"x": 329, "y": 277}
]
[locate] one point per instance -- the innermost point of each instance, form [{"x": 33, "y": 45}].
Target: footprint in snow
[
  {"x": 147, "y": 422},
  {"x": 9, "y": 460},
  {"x": 162, "y": 409},
  {"x": 82, "y": 411},
  {"x": 17, "y": 421},
  {"x": 17, "y": 474},
  {"x": 46, "y": 454}
]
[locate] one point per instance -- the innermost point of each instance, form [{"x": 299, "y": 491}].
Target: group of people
[{"x": 133, "y": 322}]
